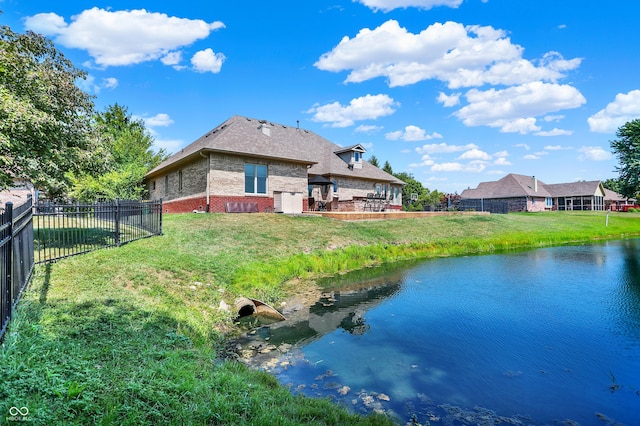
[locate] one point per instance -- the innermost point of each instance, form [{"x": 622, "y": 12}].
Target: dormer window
[{"x": 352, "y": 155}]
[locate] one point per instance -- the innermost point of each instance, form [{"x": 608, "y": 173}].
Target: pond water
[{"x": 548, "y": 336}]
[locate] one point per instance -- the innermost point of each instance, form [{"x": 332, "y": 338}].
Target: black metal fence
[
  {"x": 46, "y": 232},
  {"x": 16, "y": 257},
  {"x": 62, "y": 230},
  {"x": 480, "y": 205}
]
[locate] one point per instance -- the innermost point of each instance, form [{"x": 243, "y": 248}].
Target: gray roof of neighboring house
[
  {"x": 576, "y": 189},
  {"x": 610, "y": 195},
  {"x": 510, "y": 186},
  {"x": 513, "y": 185},
  {"x": 245, "y": 136}
]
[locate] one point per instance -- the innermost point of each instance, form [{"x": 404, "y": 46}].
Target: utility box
[{"x": 287, "y": 202}]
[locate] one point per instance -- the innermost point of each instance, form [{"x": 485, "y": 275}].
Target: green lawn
[{"x": 133, "y": 335}]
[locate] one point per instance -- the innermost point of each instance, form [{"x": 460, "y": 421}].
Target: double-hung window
[{"x": 255, "y": 179}]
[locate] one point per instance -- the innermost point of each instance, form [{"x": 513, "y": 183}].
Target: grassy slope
[{"x": 131, "y": 335}]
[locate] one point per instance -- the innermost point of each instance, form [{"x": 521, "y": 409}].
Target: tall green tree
[
  {"x": 374, "y": 161},
  {"x": 45, "y": 118},
  {"x": 627, "y": 149},
  {"x": 387, "y": 167},
  {"x": 129, "y": 156},
  {"x": 612, "y": 184}
]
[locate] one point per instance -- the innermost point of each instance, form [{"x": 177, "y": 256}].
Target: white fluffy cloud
[
  {"x": 412, "y": 134},
  {"x": 594, "y": 153},
  {"x": 461, "y": 56},
  {"x": 501, "y": 161},
  {"x": 368, "y": 107},
  {"x": 472, "y": 159},
  {"x": 388, "y": 5},
  {"x": 172, "y": 59},
  {"x": 448, "y": 100},
  {"x": 624, "y": 108},
  {"x": 124, "y": 37},
  {"x": 208, "y": 61},
  {"x": 528, "y": 90},
  {"x": 514, "y": 109},
  {"x": 158, "y": 120},
  {"x": 475, "y": 154}
]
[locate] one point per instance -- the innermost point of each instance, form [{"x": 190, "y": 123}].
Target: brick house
[
  {"x": 527, "y": 193},
  {"x": 271, "y": 167}
]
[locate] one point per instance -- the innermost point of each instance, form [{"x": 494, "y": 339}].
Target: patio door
[{"x": 569, "y": 203}]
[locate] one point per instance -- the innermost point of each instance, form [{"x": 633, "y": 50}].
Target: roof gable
[{"x": 356, "y": 147}]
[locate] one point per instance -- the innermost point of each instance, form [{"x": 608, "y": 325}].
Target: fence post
[
  {"x": 8, "y": 262},
  {"x": 117, "y": 219},
  {"x": 160, "y": 208}
]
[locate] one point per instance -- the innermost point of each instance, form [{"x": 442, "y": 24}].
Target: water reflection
[
  {"x": 538, "y": 337},
  {"x": 341, "y": 305}
]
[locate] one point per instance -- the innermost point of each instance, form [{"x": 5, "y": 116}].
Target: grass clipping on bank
[{"x": 132, "y": 335}]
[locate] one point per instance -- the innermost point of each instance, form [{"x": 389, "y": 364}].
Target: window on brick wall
[
  {"x": 180, "y": 180},
  {"x": 255, "y": 179},
  {"x": 166, "y": 185}
]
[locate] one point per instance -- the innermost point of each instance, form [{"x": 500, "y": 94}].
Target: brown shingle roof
[
  {"x": 610, "y": 195},
  {"x": 244, "y": 136},
  {"x": 510, "y": 186},
  {"x": 576, "y": 189}
]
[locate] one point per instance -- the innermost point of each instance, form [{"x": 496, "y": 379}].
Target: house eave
[{"x": 205, "y": 151}]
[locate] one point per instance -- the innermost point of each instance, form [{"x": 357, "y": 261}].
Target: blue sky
[{"x": 455, "y": 92}]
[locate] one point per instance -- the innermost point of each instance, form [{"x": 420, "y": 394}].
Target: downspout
[{"x": 208, "y": 157}]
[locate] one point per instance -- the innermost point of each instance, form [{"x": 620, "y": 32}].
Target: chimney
[
  {"x": 535, "y": 184},
  {"x": 266, "y": 130}
]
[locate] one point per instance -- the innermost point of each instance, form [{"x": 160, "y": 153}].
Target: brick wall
[
  {"x": 181, "y": 182},
  {"x": 217, "y": 203},
  {"x": 185, "y": 205}
]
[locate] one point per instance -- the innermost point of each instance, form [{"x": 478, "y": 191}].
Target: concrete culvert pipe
[{"x": 245, "y": 307}]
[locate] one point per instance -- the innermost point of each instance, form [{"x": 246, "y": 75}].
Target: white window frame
[{"x": 256, "y": 176}]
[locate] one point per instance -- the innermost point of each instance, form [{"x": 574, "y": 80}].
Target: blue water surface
[{"x": 539, "y": 337}]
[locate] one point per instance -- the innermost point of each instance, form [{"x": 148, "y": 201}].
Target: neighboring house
[
  {"x": 18, "y": 193},
  {"x": 527, "y": 193},
  {"x": 270, "y": 166},
  {"x": 521, "y": 193},
  {"x": 615, "y": 201}
]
